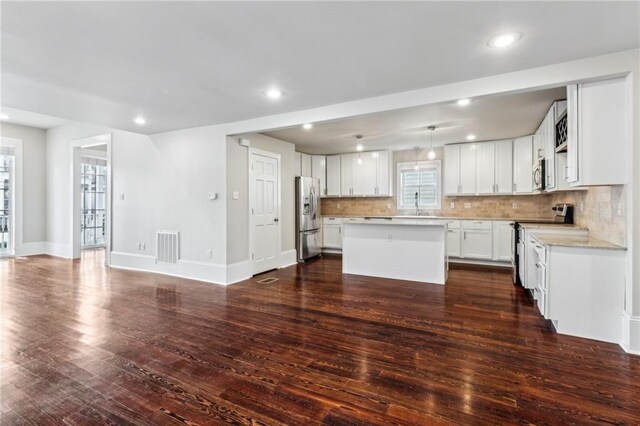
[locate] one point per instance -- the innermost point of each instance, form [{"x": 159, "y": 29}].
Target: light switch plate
[
  {"x": 235, "y": 195},
  {"x": 514, "y": 205},
  {"x": 452, "y": 205},
  {"x": 467, "y": 205},
  {"x": 122, "y": 196},
  {"x": 212, "y": 195}
]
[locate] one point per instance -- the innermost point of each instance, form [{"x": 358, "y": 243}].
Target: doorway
[
  {"x": 91, "y": 200},
  {"x": 10, "y": 196},
  {"x": 264, "y": 210}
]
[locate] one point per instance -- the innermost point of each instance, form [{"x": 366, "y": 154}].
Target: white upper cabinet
[
  {"x": 365, "y": 174},
  {"x": 467, "y": 169},
  {"x": 598, "y": 115},
  {"x": 485, "y": 168},
  {"x": 319, "y": 171},
  {"x": 305, "y": 164},
  {"x": 296, "y": 164},
  {"x": 451, "y": 184},
  {"x": 384, "y": 169},
  {"x": 523, "y": 165},
  {"x": 333, "y": 176},
  {"x": 504, "y": 167},
  {"x": 346, "y": 174}
]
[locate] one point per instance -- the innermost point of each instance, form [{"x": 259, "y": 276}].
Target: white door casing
[{"x": 264, "y": 210}]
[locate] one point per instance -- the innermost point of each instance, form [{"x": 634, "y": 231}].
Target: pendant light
[
  {"x": 417, "y": 148},
  {"x": 359, "y": 147},
  {"x": 432, "y": 154}
]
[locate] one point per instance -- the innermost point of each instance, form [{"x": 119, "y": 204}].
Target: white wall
[
  {"x": 34, "y": 221},
  {"x": 165, "y": 180},
  {"x": 238, "y": 210}
]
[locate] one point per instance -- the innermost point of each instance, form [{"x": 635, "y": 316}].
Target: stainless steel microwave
[{"x": 539, "y": 175}]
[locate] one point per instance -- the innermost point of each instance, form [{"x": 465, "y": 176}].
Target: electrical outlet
[
  {"x": 338, "y": 206},
  {"x": 514, "y": 205},
  {"x": 139, "y": 246},
  {"x": 467, "y": 205},
  {"x": 388, "y": 206},
  {"x": 452, "y": 205},
  {"x": 209, "y": 254},
  {"x": 619, "y": 209},
  {"x": 122, "y": 196},
  {"x": 581, "y": 207},
  {"x": 144, "y": 246}
]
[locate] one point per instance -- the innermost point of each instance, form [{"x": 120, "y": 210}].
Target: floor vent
[
  {"x": 267, "y": 280},
  {"x": 167, "y": 243}
]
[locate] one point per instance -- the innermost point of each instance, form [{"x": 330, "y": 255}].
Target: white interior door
[{"x": 265, "y": 207}]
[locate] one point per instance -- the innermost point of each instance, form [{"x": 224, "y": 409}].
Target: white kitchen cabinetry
[
  {"x": 451, "y": 184},
  {"x": 366, "y": 174},
  {"x": 503, "y": 240},
  {"x": 523, "y": 165},
  {"x": 346, "y": 175},
  {"x": 303, "y": 164},
  {"x": 319, "y": 171},
  {"x": 598, "y": 115},
  {"x": 476, "y": 239},
  {"x": 296, "y": 164},
  {"x": 332, "y": 232},
  {"x": 333, "y": 176},
  {"x": 453, "y": 238},
  {"x": 585, "y": 291},
  {"x": 467, "y": 169},
  {"x": 485, "y": 167},
  {"x": 494, "y": 167}
]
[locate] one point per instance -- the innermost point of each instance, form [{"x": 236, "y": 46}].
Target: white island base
[{"x": 407, "y": 250}]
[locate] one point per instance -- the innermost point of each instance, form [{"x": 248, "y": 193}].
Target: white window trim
[{"x": 410, "y": 165}]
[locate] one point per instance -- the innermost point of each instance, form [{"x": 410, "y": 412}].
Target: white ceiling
[
  {"x": 32, "y": 119},
  {"x": 488, "y": 118},
  {"x": 186, "y": 64}
]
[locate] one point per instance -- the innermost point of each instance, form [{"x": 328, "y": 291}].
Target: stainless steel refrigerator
[{"x": 308, "y": 242}]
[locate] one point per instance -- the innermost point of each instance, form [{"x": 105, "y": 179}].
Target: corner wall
[{"x": 34, "y": 187}]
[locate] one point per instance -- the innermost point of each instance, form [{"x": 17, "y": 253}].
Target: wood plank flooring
[{"x": 83, "y": 344}]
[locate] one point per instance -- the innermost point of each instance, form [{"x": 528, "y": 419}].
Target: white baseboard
[
  {"x": 32, "y": 249},
  {"x": 630, "y": 333},
  {"x": 200, "y": 271},
  {"x": 60, "y": 250},
  {"x": 238, "y": 271},
  {"x": 288, "y": 258}
]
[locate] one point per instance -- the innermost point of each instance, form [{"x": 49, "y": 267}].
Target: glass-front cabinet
[{"x": 93, "y": 203}]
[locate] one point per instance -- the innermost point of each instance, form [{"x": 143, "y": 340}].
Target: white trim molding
[
  {"x": 32, "y": 249},
  {"x": 59, "y": 250},
  {"x": 630, "y": 333},
  {"x": 288, "y": 258}
]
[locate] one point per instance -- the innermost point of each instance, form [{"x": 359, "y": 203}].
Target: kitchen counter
[
  {"x": 551, "y": 226},
  {"x": 575, "y": 241},
  {"x": 397, "y": 221},
  {"x": 400, "y": 249},
  {"x": 396, "y": 217}
]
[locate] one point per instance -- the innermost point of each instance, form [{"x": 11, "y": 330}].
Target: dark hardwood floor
[{"x": 82, "y": 344}]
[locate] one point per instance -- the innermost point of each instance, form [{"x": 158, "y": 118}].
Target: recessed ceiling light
[
  {"x": 4, "y": 116},
  {"x": 463, "y": 102},
  {"x": 307, "y": 126},
  {"x": 273, "y": 93},
  {"x": 471, "y": 137},
  {"x": 504, "y": 40},
  {"x": 140, "y": 121},
  {"x": 359, "y": 147}
]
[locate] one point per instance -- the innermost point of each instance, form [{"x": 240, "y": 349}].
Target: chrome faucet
[{"x": 417, "y": 205}]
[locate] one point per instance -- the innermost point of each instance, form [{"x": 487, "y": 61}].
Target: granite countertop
[
  {"x": 506, "y": 219},
  {"x": 395, "y": 222},
  {"x": 551, "y": 225},
  {"x": 575, "y": 241}
]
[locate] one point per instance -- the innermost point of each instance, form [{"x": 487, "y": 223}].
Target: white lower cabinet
[
  {"x": 503, "y": 241},
  {"x": 477, "y": 239},
  {"x": 332, "y": 233},
  {"x": 453, "y": 238}
]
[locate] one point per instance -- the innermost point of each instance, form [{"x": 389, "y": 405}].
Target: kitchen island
[{"x": 412, "y": 250}]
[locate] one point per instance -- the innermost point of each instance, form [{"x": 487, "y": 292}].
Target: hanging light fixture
[
  {"x": 431, "y": 155},
  {"x": 417, "y": 148},
  {"x": 359, "y": 148}
]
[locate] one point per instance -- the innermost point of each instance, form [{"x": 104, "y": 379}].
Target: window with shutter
[{"x": 419, "y": 182}]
